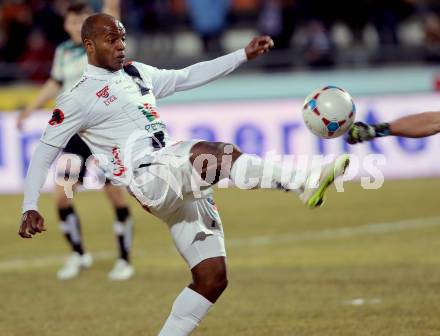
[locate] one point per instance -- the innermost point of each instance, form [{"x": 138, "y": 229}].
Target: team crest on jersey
[
  {"x": 57, "y": 117},
  {"x": 103, "y": 93},
  {"x": 149, "y": 111}
]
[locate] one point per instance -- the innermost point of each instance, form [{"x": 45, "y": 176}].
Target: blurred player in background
[
  {"x": 412, "y": 126},
  {"x": 159, "y": 172},
  {"x": 68, "y": 66}
]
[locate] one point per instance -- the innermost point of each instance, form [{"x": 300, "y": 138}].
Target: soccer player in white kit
[
  {"x": 113, "y": 109},
  {"x": 68, "y": 66}
]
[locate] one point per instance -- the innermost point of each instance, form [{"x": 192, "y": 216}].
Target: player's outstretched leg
[
  {"x": 313, "y": 193},
  {"x": 217, "y": 160},
  {"x": 123, "y": 229},
  {"x": 196, "y": 227},
  {"x": 71, "y": 228},
  {"x": 194, "y": 302}
]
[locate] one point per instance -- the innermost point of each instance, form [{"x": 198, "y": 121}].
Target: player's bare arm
[
  {"x": 31, "y": 223},
  {"x": 412, "y": 126}
]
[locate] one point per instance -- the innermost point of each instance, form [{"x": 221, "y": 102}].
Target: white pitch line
[
  {"x": 326, "y": 234},
  {"x": 344, "y": 232},
  {"x": 22, "y": 263}
]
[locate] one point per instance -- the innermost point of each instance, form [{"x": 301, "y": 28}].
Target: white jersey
[
  {"x": 69, "y": 64},
  {"x": 117, "y": 121}
]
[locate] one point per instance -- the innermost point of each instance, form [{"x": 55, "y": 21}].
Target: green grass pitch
[{"x": 292, "y": 271}]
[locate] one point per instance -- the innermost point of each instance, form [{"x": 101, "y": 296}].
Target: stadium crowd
[{"x": 318, "y": 33}]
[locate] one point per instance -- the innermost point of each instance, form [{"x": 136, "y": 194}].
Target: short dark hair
[
  {"x": 78, "y": 8},
  {"x": 92, "y": 25}
]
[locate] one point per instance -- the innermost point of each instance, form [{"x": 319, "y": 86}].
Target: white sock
[
  {"x": 252, "y": 172},
  {"x": 188, "y": 310}
]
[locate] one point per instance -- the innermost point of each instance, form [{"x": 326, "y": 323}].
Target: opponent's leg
[
  {"x": 123, "y": 229},
  {"x": 71, "y": 228},
  {"x": 69, "y": 220},
  {"x": 217, "y": 160}
]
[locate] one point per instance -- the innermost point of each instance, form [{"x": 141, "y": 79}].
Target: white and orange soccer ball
[{"x": 329, "y": 112}]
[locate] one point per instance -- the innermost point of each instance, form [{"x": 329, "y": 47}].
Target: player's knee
[
  {"x": 216, "y": 282},
  {"x": 115, "y": 195},
  {"x": 217, "y": 149},
  {"x": 61, "y": 199},
  {"x": 213, "y": 160},
  {"x": 225, "y": 148},
  {"x": 221, "y": 284},
  {"x": 226, "y": 155}
]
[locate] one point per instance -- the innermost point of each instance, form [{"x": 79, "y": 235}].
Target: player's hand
[
  {"x": 20, "y": 119},
  {"x": 31, "y": 223},
  {"x": 360, "y": 132},
  {"x": 258, "y": 46}
]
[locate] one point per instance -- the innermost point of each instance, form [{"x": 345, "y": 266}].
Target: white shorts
[
  {"x": 192, "y": 217},
  {"x": 197, "y": 230}
]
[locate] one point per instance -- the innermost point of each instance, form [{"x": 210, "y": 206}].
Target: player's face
[
  {"x": 110, "y": 47},
  {"x": 72, "y": 25}
]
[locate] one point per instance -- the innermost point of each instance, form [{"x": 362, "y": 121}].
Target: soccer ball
[{"x": 329, "y": 112}]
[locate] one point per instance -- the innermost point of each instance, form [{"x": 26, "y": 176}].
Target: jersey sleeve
[
  {"x": 41, "y": 161},
  {"x": 167, "y": 82},
  {"x": 67, "y": 119},
  {"x": 56, "y": 73}
]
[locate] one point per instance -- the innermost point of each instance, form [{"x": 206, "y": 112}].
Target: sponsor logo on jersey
[
  {"x": 57, "y": 117},
  {"x": 155, "y": 126},
  {"x": 119, "y": 167},
  {"x": 149, "y": 112},
  {"x": 110, "y": 100}
]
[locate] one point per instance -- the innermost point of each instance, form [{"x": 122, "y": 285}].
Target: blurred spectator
[
  {"x": 278, "y": 20},
  {"x": 16, "y": 24},
  {"x": 37, "y": 58},
  {"x": 244, "y": 12},
  {"x": 386, "y": 16},
  {"x": 432, "y": 37},
  {"x": 209, "y": 20},
  {"x": 48, "y": 17},
  {"x": 245, "y": 5},
  {"x": 355, "y": 15},
  {"x": 151, "y": 16},
  {"x": 300, "y": 27},
  {"x": 318, "y": 51}
]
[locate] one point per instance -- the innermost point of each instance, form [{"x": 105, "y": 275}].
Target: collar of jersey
[{"x": 97, "y": 71}]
